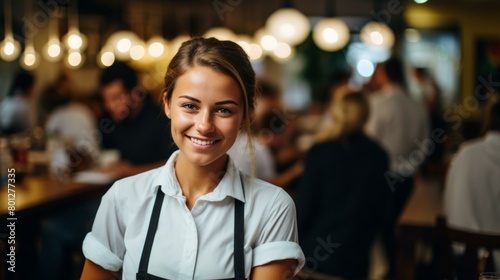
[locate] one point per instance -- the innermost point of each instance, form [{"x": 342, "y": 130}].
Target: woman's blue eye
[
  {"x": 189, "y": 106},
  {"x": 224, "y": 111}
]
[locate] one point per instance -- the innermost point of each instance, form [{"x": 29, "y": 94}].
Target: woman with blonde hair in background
[{"x": 341, "y": 198}]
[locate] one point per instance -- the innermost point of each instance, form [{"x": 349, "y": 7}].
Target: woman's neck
[{"x": 196, "y": 181}]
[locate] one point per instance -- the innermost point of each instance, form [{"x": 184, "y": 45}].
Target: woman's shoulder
[{"x": 264, "y": 192}]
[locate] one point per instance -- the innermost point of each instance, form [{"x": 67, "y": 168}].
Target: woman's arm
[
  {"x": 92, "y": 271},
  {"x": 279, "y": 270}
]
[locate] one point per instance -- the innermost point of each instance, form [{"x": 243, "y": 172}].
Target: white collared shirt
[
  {"x": 472, "y": 192},
  {"x": 400, "y": 125},
  {"x": 196, "y": 244}
]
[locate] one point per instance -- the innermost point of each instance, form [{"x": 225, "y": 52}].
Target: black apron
[{"x": 239, "y": 256}]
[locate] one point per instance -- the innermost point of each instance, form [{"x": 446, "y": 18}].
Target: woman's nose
[{"x": 204, "y": 123}]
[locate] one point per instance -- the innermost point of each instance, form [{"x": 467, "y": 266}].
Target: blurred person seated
[
  {"x": 71, "y": 123},
  {"x": 342, "y": 196},
  {"x": 472, "y": 191},
  {"x": 133, "y": 123},
  {"x": 401, "y": 126},
  {"x": 16, "y": 114}
]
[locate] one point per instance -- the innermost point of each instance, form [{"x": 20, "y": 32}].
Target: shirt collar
[{"x": 230, "y": 185}]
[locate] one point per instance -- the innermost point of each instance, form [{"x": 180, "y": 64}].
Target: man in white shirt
[
  {"x": 400, "y": 125},
  {"x": 472, "y": 193}
]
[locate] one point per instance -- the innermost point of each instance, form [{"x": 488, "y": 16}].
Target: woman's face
[{"x": 206, "y": 109}]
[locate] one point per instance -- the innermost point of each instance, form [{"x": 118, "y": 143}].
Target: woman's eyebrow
[
  {"x": 229, "y": 101},
  {"x": 226, "y": 102},
  {"x": 190, "y": 98}
]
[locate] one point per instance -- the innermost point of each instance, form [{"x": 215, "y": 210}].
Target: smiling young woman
[{"x": 198, "y": 217}]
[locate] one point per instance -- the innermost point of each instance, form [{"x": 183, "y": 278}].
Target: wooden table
[
  {"x": 36, "y": 197},
  {"x": 417, "y": 222},
  {"x": 42, "y": 193}
]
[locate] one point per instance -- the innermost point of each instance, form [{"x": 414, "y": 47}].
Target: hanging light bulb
[
  {"x": 122, "y": 42},
  {"x": 255, "y": 52},
  {"x": 283, "y": 52},
  {"x": 74, "y": 39},
  {"x": 30, "y": 58},
  {"x": 9, "y": 47},
  {"x": 288, "y": 25},
  {"x": 331, "y": 34},
  {"x": 267, "y": 41},
  {"x": 377, "y": 34},
  {"x": 157, "y": 46},
  {"x": 74, "y": 59},
  {"x": 52, "y": 50},
  {"x": 138, "y": 50},
  {"x": 106, "y": 57}
]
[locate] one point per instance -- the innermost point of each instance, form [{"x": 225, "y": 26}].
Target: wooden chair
[{"x": 472, "y": 264}]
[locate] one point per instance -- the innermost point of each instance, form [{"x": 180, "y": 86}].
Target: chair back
[{"x": 473, "y": 241}]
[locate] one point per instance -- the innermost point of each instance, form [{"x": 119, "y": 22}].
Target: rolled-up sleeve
[
  {"x": 104, "y": 245},
  {"x": 279, "y": 239}
]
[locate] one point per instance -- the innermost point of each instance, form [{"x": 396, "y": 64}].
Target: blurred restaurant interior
[{"x": 304, "y": 50}]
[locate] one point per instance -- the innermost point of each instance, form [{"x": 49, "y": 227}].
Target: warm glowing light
[
  {"x": 156, "y": 49},
  {"x": 331, "y": 34},
  {"x": 9, "y": 49},
  {"x": 137, "y": 52},
  {"x": 107, "y": 58},
  {"x": 282, "y": 50},
  {"x": 268, "y": 42},
  {"x": 376, "y": 38},
  {"x": 124, "y": 45},
  {"x": 54, "y": 50},
  {"x": 420, "y": 1},
  {"x": 30, "y": 58},
  {"x": 255, "y": 52},
  {"x": 377, "y": 34},
  {"x": 288, "y": 25},
  {"x": 74, "y": 58},
  {"x": 75, "y": 41}
]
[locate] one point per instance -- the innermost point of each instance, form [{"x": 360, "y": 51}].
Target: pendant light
[
  {"x": 30, "y": 59},
  {"x": 331, "y": 33},
  {"x": 288, "y": 25},
  {"x": 9, "y": 47}
]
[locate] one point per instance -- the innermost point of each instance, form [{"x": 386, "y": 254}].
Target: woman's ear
[{"x": 166, "y": 106}]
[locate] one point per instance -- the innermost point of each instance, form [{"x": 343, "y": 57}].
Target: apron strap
[
  {"x": 239, "y": 236},
  {"x": 153, "y": 225}
]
